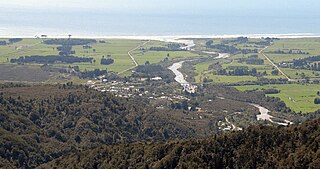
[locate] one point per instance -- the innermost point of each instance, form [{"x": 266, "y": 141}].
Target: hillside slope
[
  {"x": 41, "y": 123},
  {"x": 257, "y": 147}
]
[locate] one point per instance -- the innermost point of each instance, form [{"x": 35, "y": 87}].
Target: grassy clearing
[
  {"x": 157, "y": 56},
  {"x": 298, "y": 73},
  {"x": 297, "y": 97},
  {"x": 26, "y": 47},
  {"x": 202, "y": 71},
  {"x": 310, "y": 45},
  {"x": 116, "y": 48},
  {"x": 231, "y": 79}
]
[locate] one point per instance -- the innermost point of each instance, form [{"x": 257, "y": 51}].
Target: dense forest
[
  {"x": 71, "y": 126},
  {"x": 41, "y": 123},
  {"x": 256, "y": 147}
]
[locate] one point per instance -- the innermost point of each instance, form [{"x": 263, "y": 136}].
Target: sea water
[{"x": 106, "y": 23}]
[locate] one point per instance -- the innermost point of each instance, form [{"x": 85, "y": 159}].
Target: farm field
[
  {"x": 310, "y": 45},
  {"x": 117, "y": 49},
  {"x": 297, "y": 97},
  {"x": 307, "y": 46}
]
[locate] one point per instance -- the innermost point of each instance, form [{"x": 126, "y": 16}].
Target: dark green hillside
[
  {"x": 41, "y": 123},
  {"x": 257, "y": 147},
  {"x": 72, "y": 126}
]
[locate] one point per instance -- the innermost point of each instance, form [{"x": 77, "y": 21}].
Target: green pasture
[{"x": 297, "y": 97}]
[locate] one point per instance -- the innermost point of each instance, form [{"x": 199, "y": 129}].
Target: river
[
  {"x": 264, "y": 113},
  {"x": 188, "y": 45}
]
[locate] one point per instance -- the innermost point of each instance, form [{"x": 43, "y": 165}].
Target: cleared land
[
  {"x": 117, "y": 49},
  {"x": 308, "y": 47},
  {"x": 297, "y": 97}
]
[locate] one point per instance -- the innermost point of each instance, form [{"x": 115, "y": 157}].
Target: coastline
[{"x": 171, "y": 38}]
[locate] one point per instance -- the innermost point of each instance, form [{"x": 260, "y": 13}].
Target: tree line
[
  {"x": 10, "y": 41},
  {"x": 69, "y": 42},
  {"x": 51, "y": 59}
]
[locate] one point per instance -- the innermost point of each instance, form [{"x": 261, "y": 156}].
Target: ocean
[{"x": 104, "y": 23}]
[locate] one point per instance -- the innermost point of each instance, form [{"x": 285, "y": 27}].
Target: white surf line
[
  {"x": 132, "y": 58},
  {"x": 273, "y": 64}
]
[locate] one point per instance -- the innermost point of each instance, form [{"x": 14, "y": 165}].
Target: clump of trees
[
  {"x": 223, "y": 48},
  {"x": 317, "y": 101},
  {"x": 309, "y": 63},
  {"x": 65, "y": 50},
  {"x": 289, "y": 52},
  {"x": 93, "y": 74},
  {"x": 271, "y": 91},
  {"x": 67, "y": 44},
  {"x": 149, "y": 68},
  {"x": 169, "y": 47},
  {"x": 275, "y": 72},
  {"x": 15, "y": 40},
  {"x": 228, "y": 45},
  {"x": 239, "y": 71},
  {"x": 107, "y": 61},
  {"x": 253, "y": 59},
  {"x": 50, "y": 59},
  {"x": 10, "y": 41},
  {"x": 70, "y": 42},
  {"x": 3, "y": 43}
]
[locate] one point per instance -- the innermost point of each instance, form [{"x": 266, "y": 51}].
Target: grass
[
  {"x": 202, "y": 70},
  {"x": 116, "y": 48},
  {"x": 310, "y": 45},
  {"x": 26, "y": 47},
  {"x": 157, "y": 56},
  {"x": 297, "y": 73},
  {"x": 231, "y": 79},
  {"x": 302, "y": 96}
]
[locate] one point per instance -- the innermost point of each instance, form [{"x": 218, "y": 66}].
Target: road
[
  {"x": 273, "y": 64},
  {"x": 132, "y": 58}
]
